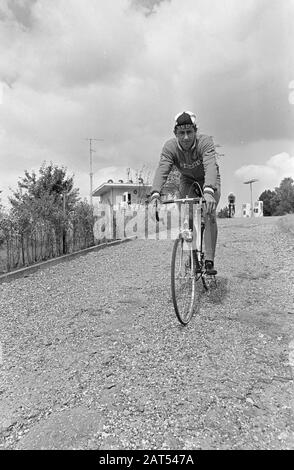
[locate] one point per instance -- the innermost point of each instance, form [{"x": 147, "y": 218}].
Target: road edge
[{"x": 24, "y": 272}]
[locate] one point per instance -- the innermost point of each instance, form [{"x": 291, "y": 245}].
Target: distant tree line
[
  {"x": 279, "y": 201},
  {"x": 46, "y": 219},
  {"x": 224, "y": 213}
]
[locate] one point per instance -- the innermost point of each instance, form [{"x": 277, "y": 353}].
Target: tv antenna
[{"x": 91, "y": 166}]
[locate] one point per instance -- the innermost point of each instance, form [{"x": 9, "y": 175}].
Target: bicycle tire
[{"x": 182, "y": 282}]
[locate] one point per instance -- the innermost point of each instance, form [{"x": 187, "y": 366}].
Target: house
[
  {"x": 246, "y": 210},
  {"x": 257, "y": 209},
  {"x": 122, "y": 194}
]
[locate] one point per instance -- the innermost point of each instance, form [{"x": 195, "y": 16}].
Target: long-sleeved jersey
[{"x": 196, "y": 164}]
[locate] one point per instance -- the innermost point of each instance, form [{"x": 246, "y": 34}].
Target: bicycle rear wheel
[{"x": 182, "y": 281}]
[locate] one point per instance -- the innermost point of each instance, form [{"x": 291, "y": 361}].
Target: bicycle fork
[
  {"x": 194, "y": 237},
  {"x": 198, "y": 226}
]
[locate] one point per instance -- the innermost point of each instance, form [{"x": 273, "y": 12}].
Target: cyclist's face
[{"x": 186, "y": 136}]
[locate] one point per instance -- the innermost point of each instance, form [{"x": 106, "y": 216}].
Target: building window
[{"x": 127, "y": 198}]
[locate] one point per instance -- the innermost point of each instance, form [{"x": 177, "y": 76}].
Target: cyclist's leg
[
  {"x": 187, "y": 188},
  {"x": 210, "y": 233}
]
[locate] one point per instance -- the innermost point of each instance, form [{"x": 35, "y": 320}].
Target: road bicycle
[{"x": 189, "y": 278}]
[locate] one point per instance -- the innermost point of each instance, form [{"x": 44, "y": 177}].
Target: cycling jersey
[{"x": 196, "y": 164}]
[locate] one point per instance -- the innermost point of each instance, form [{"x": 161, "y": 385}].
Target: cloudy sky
[{"x": 120, "y": 70}]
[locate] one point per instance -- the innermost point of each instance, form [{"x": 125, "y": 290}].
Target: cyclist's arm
[
  {"x": 209, "y": 164},
  {"x": 164, "y": 167}
]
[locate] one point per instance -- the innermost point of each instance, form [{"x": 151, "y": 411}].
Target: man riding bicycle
[{"x": 195, "y": 157}]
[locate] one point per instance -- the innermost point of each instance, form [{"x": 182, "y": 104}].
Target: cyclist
[
  {"x": 195, "y": 157},
  {"x": 231, "y": 199}
]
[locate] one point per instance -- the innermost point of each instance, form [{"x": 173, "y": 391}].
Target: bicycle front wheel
[{"x": 182, "y": 281}]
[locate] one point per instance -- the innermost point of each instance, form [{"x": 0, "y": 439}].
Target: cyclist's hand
[
  {"x": 155, "y": 199},
  {"x": 210, "y": 202}
]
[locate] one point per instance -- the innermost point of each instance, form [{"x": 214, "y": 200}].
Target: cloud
[
  {"x": 71, "y": 70},
  {"x": 148, "y": 6},
  {"x": 73, "y": 46},
  {"x": 276, "y": 168},
  {"x": 21, "y": 11}
]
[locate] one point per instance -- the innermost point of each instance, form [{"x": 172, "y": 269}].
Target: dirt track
[{"x": 94, "y": 358}]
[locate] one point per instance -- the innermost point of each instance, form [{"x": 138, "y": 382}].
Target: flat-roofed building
[{"x": 122, "y": 194}]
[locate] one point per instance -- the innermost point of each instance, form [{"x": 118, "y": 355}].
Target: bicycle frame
[{"x": 194, "y": 236}]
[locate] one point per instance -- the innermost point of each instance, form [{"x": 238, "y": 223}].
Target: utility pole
[
  {"x": 251, "y": 200},
  {"x": 91, "y": 168}
]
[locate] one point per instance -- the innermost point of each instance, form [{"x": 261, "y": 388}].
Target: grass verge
[{"x": 287, "y": 223}]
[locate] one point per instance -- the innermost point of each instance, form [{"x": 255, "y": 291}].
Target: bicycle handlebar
[{"x": 189, "y": 200}]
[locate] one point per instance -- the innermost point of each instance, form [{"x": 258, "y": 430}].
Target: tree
[
  {"x": 268, "y": 202},
  {"x": 281, "y": 200},
  {"x": 284, "y": 198},
  {"x": 83, "y": 223},
  {"x": 46, "y": 218},
  {"x": 142, "y": 177},
  {"x": 52, "y": 180},
  {"x": 224, "y": 213},
  {"x": 44, "y": 202}
]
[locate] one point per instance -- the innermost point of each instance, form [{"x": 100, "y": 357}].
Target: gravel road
[{"x": 93, "y": 356}]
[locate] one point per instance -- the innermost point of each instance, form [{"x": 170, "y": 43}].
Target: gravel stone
[
  {"x": 93, "y": 356},
  {"x": 69, "y": 429}
]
